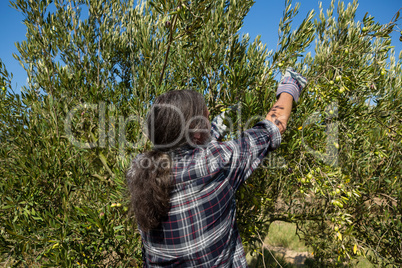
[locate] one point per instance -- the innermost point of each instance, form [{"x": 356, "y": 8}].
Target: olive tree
[{"x": 95, "y": 67}]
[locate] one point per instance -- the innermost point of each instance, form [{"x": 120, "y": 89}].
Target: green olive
[{"x": 336, "y": 145}]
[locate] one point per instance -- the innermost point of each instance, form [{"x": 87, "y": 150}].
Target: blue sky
[{"x": 263, "y": 19}]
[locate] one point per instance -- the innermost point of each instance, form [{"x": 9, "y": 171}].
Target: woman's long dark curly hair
[{"x": 176, "y": 118}]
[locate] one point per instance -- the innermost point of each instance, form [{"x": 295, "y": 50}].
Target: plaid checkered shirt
[{"x": 201, "y": 230}]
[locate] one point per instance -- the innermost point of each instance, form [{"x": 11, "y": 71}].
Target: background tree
[{"x": 94, "y": 68}]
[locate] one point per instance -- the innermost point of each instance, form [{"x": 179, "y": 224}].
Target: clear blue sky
[{"x": 262, "y": 19}]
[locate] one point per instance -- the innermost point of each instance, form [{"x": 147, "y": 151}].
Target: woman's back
[{"x": 200, "y": 229}]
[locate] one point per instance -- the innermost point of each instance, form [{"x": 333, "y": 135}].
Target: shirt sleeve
[
  {"x": 218, "y": 127},
  {"x": 215, "y": 133},
  {"x": 242, "y": 156}
]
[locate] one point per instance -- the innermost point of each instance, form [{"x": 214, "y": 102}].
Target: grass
[
  {"x": 283, "y": 234},
  {"x": 281, "y": 241},
  {"x": 285, "y": 249},
  {"x": 271, "y": 260},
  {"x": 363, "y": 263}
]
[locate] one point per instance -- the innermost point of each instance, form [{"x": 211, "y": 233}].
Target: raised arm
[
  {"x": 280, "y": 112},
  {"x": 289, "y": 89}
]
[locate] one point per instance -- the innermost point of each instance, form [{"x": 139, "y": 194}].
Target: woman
[{"x": 183, "y": 190}]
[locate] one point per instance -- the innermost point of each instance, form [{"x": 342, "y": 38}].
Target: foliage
[
  {"x": 94, "y": 68},
  {"x": 355, "y": 206}
]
